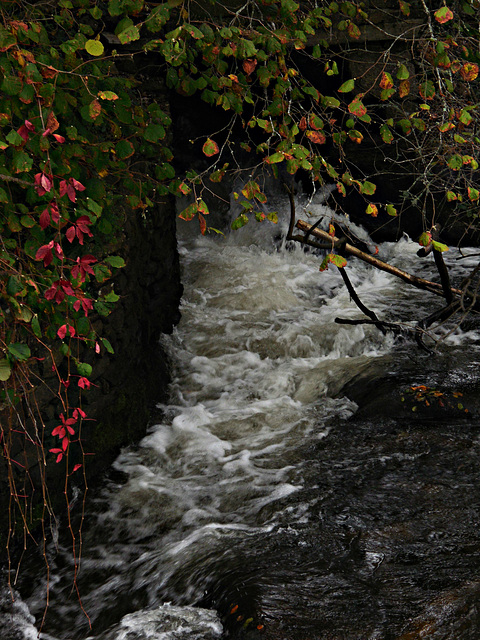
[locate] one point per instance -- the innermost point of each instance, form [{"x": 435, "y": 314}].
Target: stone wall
[{"x": 128, "y": 383}]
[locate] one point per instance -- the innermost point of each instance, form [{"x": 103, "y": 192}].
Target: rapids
[{"x": 264, "y": 504}]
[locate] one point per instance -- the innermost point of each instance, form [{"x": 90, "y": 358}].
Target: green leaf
[
  {"x": 5, "y": 369},
  {"x": 189, "y": 213},
  {"x": 19, "y": 351},
  {"x": 356, "y": 107},
  {"x": 96, "y": 13},
  {"x": 107, "y": 95},
  {"x": 14, "y": 138},
  {"x": 94, "y": 207},
  {"x": 272, "y": 216},
  {"x": 210, "y": 148},
  {"x": 329, "y": 101},
  {"x": 124, "y": 149},
  {"x": 84, "y": 369},
  {"x": 391, "y": 210},
  {"x": 239, "y": 222},
  {"x": 455, "y": 162},
  {"x": 21, "y": 162},
  {"x": 36, "y": 326},
  {"x": 465, "y": 117},
  {"x": 386, "y": 133},
  {"x": 438, "y": 246},
  {"x": 4, "y": 198},
  {"x": 94, "y": 47},
  {"x": 347, "y": 86},
  {"x": 275, "y": 157},
  {"x": 112, "y": 297},
  {"x": 425, "y": 239},
  {"x": 193, "y": 31},
  {"x": 403, "y": 73},
  {"x": 11, "y": 85},
  {"x": 115, "y": 261},
  {"x": 368, "y": 188},
  {"x": 107, "y": 345},
  {"x": 338, "y": 261},
  {"x": 7, "y": 39},
  {"x": 154, "y": 133},
  {"x": 129, "y": 35}
]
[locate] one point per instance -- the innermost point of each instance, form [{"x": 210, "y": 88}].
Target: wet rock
[
  {"x": 453, "y": 615},
  {"x": 167, "y": 623}
]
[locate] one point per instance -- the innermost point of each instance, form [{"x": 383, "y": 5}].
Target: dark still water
[{"x": 297, "y": 488}]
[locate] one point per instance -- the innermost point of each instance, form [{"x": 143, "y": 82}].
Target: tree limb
[{"x": 419, "y": 283}]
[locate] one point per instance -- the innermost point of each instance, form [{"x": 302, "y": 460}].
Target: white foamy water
[{"x": 258, "y": 369}]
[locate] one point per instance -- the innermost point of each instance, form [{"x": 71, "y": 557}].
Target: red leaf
[
  {"x": 63, "y": 188},
  {"x": 62, "y": 332},
  {"x": 76, "y": 468},
  {"x": 60, "y": 454},
  {"x": 72, "y": 196},
  {"x": 23, "y": 132},
  {"x": 45, "y": 253},
  {"x": 77, "y": 185},
  {"x": 84, "y": 383},
  {"x": 54, "y": 212},
  {"x": 59, "y": 138},
  {"x": 70, "y": 234},
  {"x": 59, "y": 252},
  {"x": 44, "y": 220},
  {"x": 39, "y": 177}
]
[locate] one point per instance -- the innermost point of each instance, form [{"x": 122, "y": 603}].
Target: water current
[{"x": 287, "y": 493}]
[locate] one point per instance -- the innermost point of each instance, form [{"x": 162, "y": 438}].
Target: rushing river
[{"x": 264, "y": 504}]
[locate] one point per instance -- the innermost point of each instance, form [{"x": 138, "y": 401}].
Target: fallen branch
[{"x": 419, "y": 283}]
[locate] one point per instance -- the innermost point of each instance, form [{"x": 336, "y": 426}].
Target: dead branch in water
[{"x": 348, "y": 249}]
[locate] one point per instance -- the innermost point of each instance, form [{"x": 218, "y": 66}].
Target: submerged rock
[{"x": 167, "y": 623}]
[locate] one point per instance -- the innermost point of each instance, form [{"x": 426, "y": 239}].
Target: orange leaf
[
  {"x": 94, "y": 109},
  {"x": 469, "y": 71},
  {"x": 404, "y": 88},
  {"x": 444, "y": 14},
  {"x": 203, "y": 224},
  {"x": 386, "y": 81},
  {"x": 52, "y": 122},
  {"x": 249, "y": 66},
  {"x": 316, "y": 136}
]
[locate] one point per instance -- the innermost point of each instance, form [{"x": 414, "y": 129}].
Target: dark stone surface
[{"x": 128, "y": 383}]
